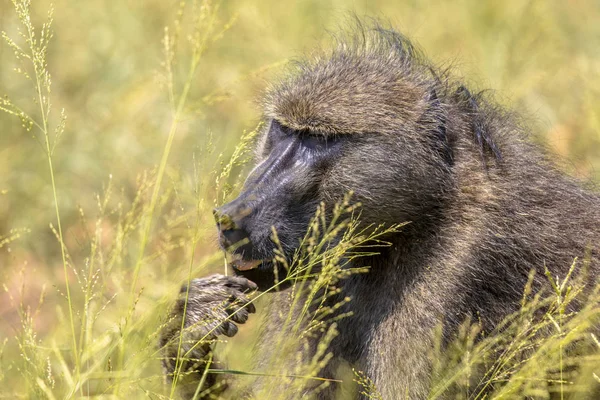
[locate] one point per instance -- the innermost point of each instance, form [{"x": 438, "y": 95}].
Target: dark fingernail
[{"x": 230, "y": 329}]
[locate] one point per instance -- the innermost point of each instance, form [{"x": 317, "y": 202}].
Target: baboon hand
[
  {"x": 215, "y": 304},
  {"x": 211, "y": 307}
]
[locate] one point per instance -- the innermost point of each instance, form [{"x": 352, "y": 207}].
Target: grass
[
  {"x": 105, "y": 214},
  {"x": 34, "y": 64}
]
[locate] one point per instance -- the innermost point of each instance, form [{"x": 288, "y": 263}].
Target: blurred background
[{"x": 106, "y": 60}]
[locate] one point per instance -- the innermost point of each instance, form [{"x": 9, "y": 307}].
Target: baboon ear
[
  {"x": 480, "y": 131},
  {"x": 436, "y": 111}
]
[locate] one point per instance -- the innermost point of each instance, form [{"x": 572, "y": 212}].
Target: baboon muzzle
[
  {"x": 275, "y": 193},
  {"x": 234, "y": 239}
]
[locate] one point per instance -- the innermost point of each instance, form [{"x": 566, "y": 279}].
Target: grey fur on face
[{"x": 485, "y": 206}]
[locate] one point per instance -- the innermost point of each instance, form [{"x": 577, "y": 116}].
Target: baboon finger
[
  {"x": 240, "y": 300},
  {"x": 240, "y": 315},
  {"x": 251, "y": 308},
  {"x": 240, "y": 283},
  {"x": 229, "y": 328},
  {"x": 197, "y": 284}
]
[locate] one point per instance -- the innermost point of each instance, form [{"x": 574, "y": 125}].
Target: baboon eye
[
  {"x": 314, "y": 140},
  {"x": 310, "y": 140}
]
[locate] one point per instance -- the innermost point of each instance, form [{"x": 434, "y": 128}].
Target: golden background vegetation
[{"x": 107, "y": 60}]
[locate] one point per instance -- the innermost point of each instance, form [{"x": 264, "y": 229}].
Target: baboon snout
[{"x": 233, "y": 238}]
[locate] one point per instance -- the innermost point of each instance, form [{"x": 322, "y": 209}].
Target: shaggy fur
[{"x": 485, "y": 205}]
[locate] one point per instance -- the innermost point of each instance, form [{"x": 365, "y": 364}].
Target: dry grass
[{"x": 119, "y": 136}]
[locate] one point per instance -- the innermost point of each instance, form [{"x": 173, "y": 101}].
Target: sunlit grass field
[{"x": 125, "y": 123}]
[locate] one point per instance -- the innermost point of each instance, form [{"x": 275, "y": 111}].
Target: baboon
[{"x": 484, "y": 206}]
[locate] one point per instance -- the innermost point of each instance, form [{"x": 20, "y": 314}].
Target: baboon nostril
[
  {"x": 224, "y": 221},
  {"x": 232, "y": 237}
]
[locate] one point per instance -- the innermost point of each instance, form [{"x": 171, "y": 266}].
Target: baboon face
[{"x": 328, "y": 134}]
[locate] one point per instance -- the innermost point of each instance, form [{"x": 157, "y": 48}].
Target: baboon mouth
[{"x": 240, "y": 264}]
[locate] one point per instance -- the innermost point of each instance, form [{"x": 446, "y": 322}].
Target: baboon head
[{"x": 365, "y": 117}]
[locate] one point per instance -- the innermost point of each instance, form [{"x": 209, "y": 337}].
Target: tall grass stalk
[
  {"x": 203, "y": 30},
  {"x": 204, "y": 25},
  {"x": 35, "y": 59}
]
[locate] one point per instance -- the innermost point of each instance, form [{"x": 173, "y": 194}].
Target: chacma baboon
[{"x": 485, "y": 206}]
